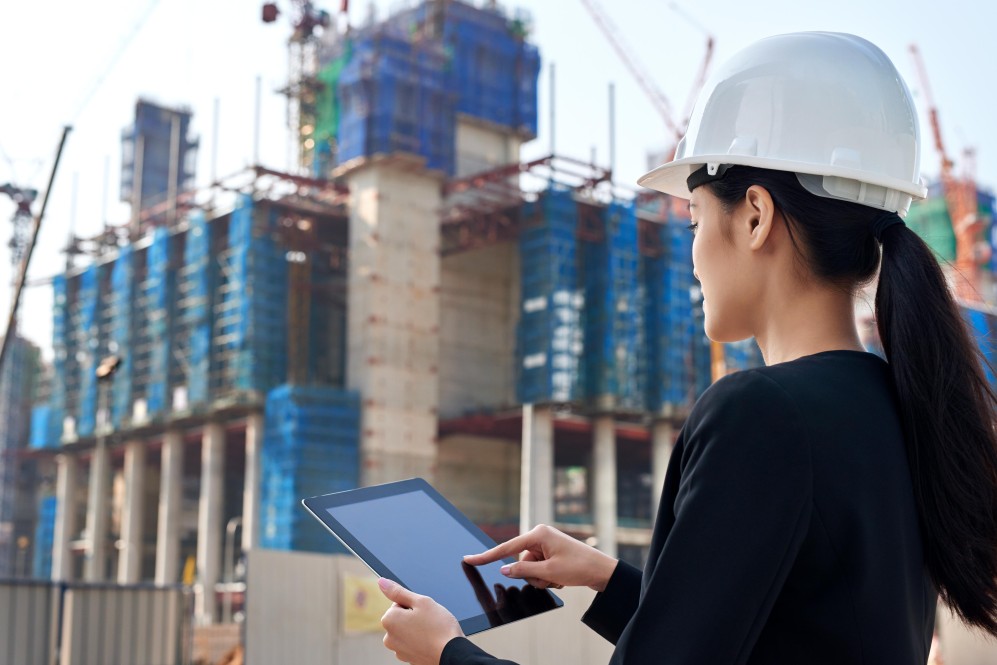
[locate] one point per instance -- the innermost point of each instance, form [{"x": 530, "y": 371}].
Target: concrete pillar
[
  {"x": 130, "y": 556},
  {"x": 209, "y": 520},
  {"x": 67, "y": 475},
  {"x": 251, "y": 492},
  {"x": 604, "y": 485},
  {"x": 98, "y": 512},
  {"x": 536, "y": 497},
  {"x": 393, "y": 316},
  {"x": 662, "y": 439},
  {"x": 170, "y": 504}
]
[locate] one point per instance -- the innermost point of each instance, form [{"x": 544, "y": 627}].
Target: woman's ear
[{"x": 759, "y": 216}]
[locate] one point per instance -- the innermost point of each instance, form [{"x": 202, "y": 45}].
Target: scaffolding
[
  {"x": 399, "y": 86},
  {"x": 310, "y": 447},
  {"x": 199, "y": 312}
]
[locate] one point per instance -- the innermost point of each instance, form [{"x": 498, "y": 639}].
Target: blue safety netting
[
  {"x": 89, "y": 333},
  {"x": 254, "y": 328},
  {"x": 983, "y": 328},
  {"x": 159, "y": 289},
  {"x": 41, "y": 567},
  {"x": 310, "y": 447},
  {"x": 669, "y": 324},
  {"x": 196, "y": 316},
  {"x": 393, "y": 98},
  {"x": 493, "y": 70},
  {"x": 46, "y": 427},
  {"x": 549, "y": 337},
  {"x": 122, "y": 298},
  {"x": 613, "y": 313},
  {"x": 399, "y": 90},
  {"x": 60, "y": 353}
]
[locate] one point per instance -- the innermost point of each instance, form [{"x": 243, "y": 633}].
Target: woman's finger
[
  {"x": 509, "y": 548},
  {"x": 397, "y": 593},
  {"x": 523, "y": 570}
]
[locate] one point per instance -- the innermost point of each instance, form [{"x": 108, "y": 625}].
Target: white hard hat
[{"x": 830, "y": 107}]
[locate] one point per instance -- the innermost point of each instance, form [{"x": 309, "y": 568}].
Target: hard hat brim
[{"x": 671, "y": 178}]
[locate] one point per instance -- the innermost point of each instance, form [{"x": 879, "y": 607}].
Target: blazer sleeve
[
  {"x": 608, "y": 615},
  {"x": 611, "y": 609},
  {"x": 741, "y": 513},
  {"x": 462, "y": 651}
]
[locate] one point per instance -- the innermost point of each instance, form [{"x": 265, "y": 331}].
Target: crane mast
[{"x": 960, "y": 198}]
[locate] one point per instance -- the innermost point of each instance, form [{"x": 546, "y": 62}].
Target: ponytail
[{"x": 947, "y": 410}]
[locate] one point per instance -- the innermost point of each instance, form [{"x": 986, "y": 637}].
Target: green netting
[
  {"x": 930, "y": 220},
  {"x": 327, "y": 111}
]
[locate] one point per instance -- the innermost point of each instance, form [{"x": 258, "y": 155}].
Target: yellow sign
[{"x": 363, "y": 604}]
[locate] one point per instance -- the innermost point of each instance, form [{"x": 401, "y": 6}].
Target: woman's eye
[{"x": 692, "y": 227}]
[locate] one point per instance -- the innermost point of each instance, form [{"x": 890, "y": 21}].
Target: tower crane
[
  {"x": 23, "y": 198},
  {"x": 302, "y": 85},
  {"x": 676, "y": 125},
  {"x": 657, "y": 98},
  {"x": 676, "y": 128},
  {"x": 960, "y": 199}
]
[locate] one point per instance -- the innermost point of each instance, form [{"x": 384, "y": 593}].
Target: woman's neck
[{"x": 807, "y": 321}]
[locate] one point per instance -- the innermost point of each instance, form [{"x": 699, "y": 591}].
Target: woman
[{"x": 814, "y": 508}]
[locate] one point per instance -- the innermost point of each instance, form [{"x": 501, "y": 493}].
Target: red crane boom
[{"x": 960, "y": 199}]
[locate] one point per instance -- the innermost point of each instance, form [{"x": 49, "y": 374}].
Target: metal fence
[{"x": 51, "y": 623}]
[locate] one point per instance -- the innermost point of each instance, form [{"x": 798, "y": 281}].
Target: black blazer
[{"x": 787, "y": 531}]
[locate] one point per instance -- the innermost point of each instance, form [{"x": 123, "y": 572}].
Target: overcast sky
[{"x": 86, "y": 63}]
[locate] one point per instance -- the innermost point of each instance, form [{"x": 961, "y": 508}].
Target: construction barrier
[{"x": 44, "y": 622}]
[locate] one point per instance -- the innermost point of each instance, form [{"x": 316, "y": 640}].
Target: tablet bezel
[{"x": 318, "y": 506}]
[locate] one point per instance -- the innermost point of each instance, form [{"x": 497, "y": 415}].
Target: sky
[{"x": 85, "y": 64}]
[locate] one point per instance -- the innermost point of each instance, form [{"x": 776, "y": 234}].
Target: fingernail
[
  {"x": 505, "y": 569},
  {"x": 385, "y": 583}
]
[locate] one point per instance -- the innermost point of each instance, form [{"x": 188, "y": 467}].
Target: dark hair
[{"x": 946, "y": 404}]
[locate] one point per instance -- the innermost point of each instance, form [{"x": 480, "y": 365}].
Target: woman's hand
[
  {"x": 417, "y": 627},
  {"x": 551, "y": 558}
]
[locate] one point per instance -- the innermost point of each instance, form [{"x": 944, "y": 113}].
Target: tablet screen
[
  {"x": 434, "y": 547},
  {"x": 408, "y": 532}
]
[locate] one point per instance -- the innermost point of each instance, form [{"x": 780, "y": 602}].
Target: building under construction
[{"x": 422, "y": 304}]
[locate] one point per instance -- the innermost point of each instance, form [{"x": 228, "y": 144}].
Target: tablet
[{"x": 407, "y": 532}]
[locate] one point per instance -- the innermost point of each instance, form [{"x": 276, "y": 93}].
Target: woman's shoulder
[
  {"x": 785, "y": 385},
  {"x": 747, "y": 420},
  {"x": 746, "y": 390}
]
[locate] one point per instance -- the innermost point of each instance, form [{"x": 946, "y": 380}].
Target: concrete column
[
  {"x": 67, "y": 475},
  {"x": 661, "y": 452},
  {"x": 393, "y": 316},
  {"x": 604, "y": 485},
  {"x": 209, "y": 520},
  {"x": 130, "y": 556},
  {"x": 170, "y": 503},
  {"x": 251, "y": 492},
  {"x": 98, "y": 509},
  {"x": 536, "y": 498}
]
